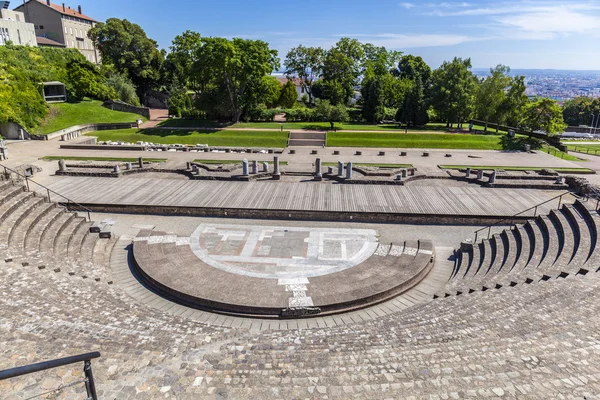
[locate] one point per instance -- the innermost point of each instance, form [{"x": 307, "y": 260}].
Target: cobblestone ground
[{"x": 530, "y": 341}]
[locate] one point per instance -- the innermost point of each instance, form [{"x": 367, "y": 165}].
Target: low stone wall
[
  {"x": 82, "y": 146},
  {"x": 298, "y": 215},
  {"x": 78, "y": 130},
  {"x": 124, "y": 107}
]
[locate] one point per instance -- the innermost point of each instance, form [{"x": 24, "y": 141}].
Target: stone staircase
[
  {"x": 558, "y": 245},
  {"x": 42, "y": 235},
  {"x": 307, "y": 138}
]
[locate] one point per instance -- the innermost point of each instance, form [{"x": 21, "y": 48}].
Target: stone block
[
  {"x": 96, "y": 227},
  {"x": 106, "y": 232}
]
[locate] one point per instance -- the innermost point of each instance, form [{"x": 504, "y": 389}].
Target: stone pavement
[{"x": 529, "y": 341}]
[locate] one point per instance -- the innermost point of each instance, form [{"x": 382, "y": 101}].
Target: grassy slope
[
  {"x": 211, "y": 138},
  {"x": 65, "y": 115},
  {"x": 414, "y": 140}
]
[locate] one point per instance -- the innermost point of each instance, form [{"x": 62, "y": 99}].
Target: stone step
[
  {"x": 32, "y": 240},
  {"x": 75, "y": 243},
  {"x": 12, "y": 203},
  {"x": 583, "y": 232},
  {"x": 51, "y": 233},
  {"x": 18, "y": 213},
  {"x": 61, "y": 241},
  {"x": 17, "y": 242},
  {"x": 553, "y": 238}
]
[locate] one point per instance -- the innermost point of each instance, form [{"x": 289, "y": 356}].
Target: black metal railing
[
  {"x": 70, "y": 204},
  {"x": 534, "y": 208},
  {"x": 87, "y": 358}
]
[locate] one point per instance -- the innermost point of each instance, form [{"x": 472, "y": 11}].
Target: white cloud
[
  {"x": 511, "y": 8},
  {"x": 408, "y": 6},
  {"x": 404, "y": 41},
  {"x": 559, "y": 20}
]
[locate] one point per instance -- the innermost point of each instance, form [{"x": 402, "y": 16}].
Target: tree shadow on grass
[
  {"x": 177, "y": 132},
  {"x": 518, "y": 143}
]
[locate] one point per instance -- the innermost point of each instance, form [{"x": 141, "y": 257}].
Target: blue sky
[{"x": 522, "y": 34}]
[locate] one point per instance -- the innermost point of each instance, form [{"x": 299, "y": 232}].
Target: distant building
[
  {"x": 61, "y": 24},
  {"x": 14, "y": 28},
  {"x": 297, "y": 82}
]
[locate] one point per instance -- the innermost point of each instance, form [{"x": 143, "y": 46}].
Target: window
[
  {"x": 71, "y": 30},
  {"x": 66, "y": 30},
  {"x": 41, "y": 26},
  {"x": 18, "y": 17},
  {"x": 19, "y": 36}
]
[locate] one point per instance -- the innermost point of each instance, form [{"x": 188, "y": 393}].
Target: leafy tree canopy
[{"x": 126, "y": 46}]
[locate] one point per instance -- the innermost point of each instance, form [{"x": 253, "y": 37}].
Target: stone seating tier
[{"x": 552, "y": 246}]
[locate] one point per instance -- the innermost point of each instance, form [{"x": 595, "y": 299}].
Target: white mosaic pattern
[{"x": 282, "y": 252}]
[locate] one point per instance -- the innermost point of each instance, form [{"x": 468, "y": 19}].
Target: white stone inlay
[
  {"x": 282, "y": 252},
  {"x": 410, "y": 251}
]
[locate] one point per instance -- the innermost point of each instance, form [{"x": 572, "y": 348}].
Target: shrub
[{"x": 123, "y": 87}]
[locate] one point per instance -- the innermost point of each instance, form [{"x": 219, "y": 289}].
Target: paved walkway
[
  {"x": 301, "y": 196},
  {"x": 156, "y": 117}
]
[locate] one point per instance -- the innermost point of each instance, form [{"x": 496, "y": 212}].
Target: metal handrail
[
  {"x": 42, "y": 366},
  {"x": 48, "y": 191},
  {"x": 535, "y": 208}
]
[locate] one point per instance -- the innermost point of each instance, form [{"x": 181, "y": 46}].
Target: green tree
[
  {"x": 239, "y": 65},
  {"x": 491, "y": 94},
  {"x": 513, "y": 106},
  {"x": 453, "y": 91},
  {"x": 544, "y": 115},
  {"x": 411, "y": 67},
  {"x": 414, "y": 108},
  {"x": 341, "y": 69},
  {"x": 126, "y": 46},
  {"x": 579, "y": 111},
  {"x": 180, "y": 61},
  {"x": 84, "y": 79},
  {"x": 372, "y": 93},
  {"x": 289, "y": 95},
  {"x": 306, "y": 63},
  {"x": 325, "y": 111}
]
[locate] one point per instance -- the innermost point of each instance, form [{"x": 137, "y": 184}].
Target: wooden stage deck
[{"x": 304, "y": 196}]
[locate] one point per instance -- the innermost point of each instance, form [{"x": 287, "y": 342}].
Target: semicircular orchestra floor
[{"x": 278, "y": 272}]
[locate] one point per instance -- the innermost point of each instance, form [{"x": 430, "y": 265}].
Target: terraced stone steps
[
  {"x": 41, "y": 235},
  {"x": 555, "y": 246}
]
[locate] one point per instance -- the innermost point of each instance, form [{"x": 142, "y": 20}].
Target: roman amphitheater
[{"x": 301, "y": 278}]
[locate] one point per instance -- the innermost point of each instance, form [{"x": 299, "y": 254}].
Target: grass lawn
[
  {"x": 65, "y": 115},
  {"x": 414, "y": 140},
  {"x": 212, "y": 138},
  {"x": 118, "y": 159},
  {"x": 218, "y": 162},
  {"x": 354, "y": 126},
  {"x": 518, "y": 168},
  {"x": 334, "y": 164},
  {"x": 561, "y": 154},
  {"x": 584, "y": 148}
]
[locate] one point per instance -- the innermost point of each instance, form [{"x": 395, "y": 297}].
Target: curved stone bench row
[
  {"x": 557, "y": 245},
  {"x": 40, "y": 234},
  {"x": 175, "y": 272}
]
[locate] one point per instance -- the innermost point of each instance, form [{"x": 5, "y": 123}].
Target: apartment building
[
  {"x": 14, "y": 28},
  {"x": 61, "y": 24}
]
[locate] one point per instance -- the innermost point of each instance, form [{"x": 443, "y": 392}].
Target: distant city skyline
[{"x": 534, "y": 34}]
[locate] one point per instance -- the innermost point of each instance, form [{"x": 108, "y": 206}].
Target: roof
[
  {"x": 44, "y": 41},
  {"x": 53, "y": 83},
  {"x": 67, "y": 11},
  {"x": 283, "y": 80}
]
